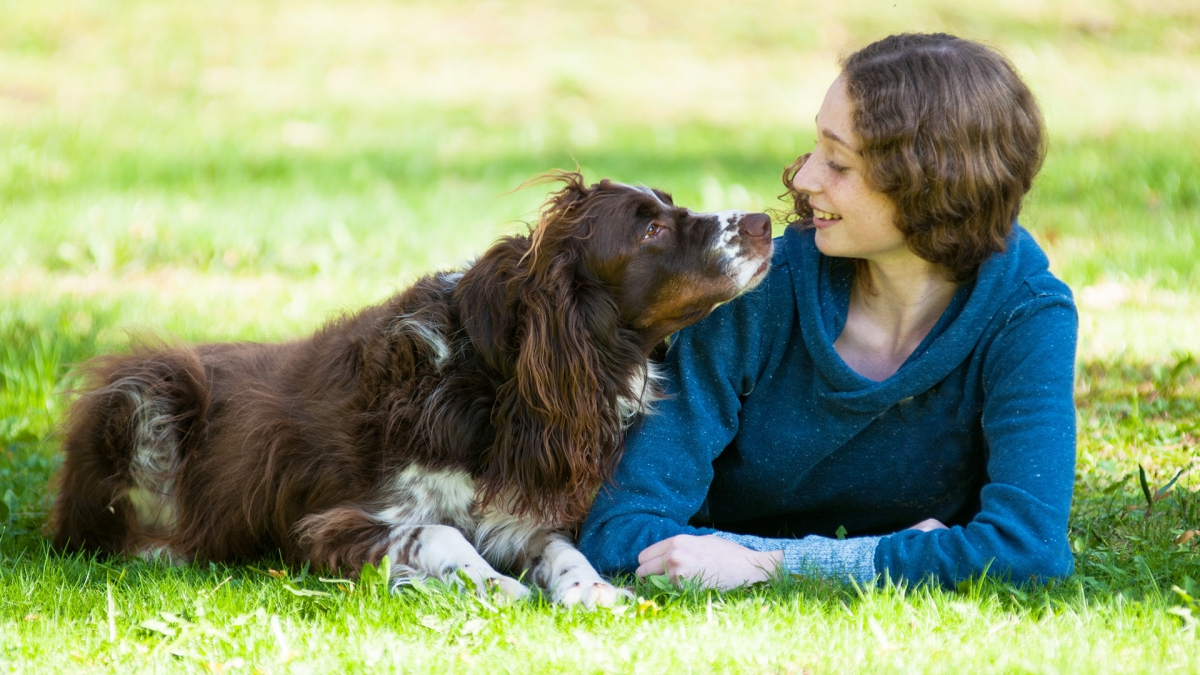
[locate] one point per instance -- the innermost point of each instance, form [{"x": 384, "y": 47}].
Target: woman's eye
[
  {"x": 652, "y": 231},
  {"x": 837, "y": 168}
]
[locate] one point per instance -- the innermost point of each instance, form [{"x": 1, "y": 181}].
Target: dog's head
[
  {"x": 568, "y": 315},
  {"x": 666, "y": 266}
]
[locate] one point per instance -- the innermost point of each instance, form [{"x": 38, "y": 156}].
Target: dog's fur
[{"x": 475, "y": 413}]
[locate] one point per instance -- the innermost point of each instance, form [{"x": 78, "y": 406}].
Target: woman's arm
[
  {"x": 727, "y": 560},
  {"x": 1029, "y": 430},
  {"x": 665, "y": 473}
]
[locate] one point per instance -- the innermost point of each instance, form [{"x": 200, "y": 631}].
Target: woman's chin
[{"x": 828, "y": 244}]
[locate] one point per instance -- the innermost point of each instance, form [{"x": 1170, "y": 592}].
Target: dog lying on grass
[{"x": 463, "y": 425}]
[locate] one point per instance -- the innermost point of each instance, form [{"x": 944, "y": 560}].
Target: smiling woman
[{"x": 904, "y": 374}]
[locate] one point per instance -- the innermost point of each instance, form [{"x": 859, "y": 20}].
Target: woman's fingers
[
  {"x": 672, "y": 557},
  {"x": 656, "y": 550},
  {"x": 929, "y": 525},
  {"x": 652, "y": 567},
  {"x": 710, "y": 561}
]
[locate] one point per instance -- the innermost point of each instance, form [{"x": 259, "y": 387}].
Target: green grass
[{"x": 218, "y": 171}]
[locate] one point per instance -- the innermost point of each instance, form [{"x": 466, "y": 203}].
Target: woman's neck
[
  {"x": 893, "y": 305},
  {"x": 905, "y": 295}
]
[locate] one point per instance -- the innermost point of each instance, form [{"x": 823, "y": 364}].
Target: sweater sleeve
[
  {"x": 1028, "y": 421},
  {"x": 666, "y": 471},
  {"x": 842, "y": 559}
]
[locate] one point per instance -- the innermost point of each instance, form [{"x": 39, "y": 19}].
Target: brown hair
[{"x": 951, "y": 134}]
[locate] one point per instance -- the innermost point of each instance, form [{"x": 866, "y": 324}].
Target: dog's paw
[
  {"x": 162, "y": 555},
  {"x": 592, "y": 595},
  {"x": 402, "y": 577},
  {"x": 489, "y": 585},
  {"x": 509, "y": 588}
]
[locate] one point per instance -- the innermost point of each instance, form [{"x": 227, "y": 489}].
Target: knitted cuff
[{"x": 839, "y": 558}]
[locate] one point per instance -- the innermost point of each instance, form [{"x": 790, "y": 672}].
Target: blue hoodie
[{"x": 769, "y": 439}]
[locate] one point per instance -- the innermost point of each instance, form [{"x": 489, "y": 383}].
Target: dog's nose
[{"x": 755, "y": 224}]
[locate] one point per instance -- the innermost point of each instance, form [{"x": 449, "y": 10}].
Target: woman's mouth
[{"x": 823, "y": 219}]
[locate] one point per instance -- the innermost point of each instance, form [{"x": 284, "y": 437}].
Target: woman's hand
[
  {"x": 929, "y": 525},
  {"x": 710, "y": 560}
]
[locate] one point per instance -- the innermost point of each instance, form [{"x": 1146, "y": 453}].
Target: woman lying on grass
[{"x": 909, "y": 358}]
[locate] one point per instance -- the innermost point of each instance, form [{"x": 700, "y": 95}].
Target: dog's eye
[{"x": 652, "y": 231}]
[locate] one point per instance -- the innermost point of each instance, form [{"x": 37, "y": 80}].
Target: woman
[{"x": 909, "y": 358}]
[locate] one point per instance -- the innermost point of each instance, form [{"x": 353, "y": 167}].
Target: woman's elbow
[
  {"x": 1051, "y": 562},
  {"x": 1046, "y": 561}
]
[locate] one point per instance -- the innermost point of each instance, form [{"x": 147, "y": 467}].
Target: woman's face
[{"x": 852, "y": 219}]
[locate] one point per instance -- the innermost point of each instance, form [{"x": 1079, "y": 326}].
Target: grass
[
  {"x": 1130, "y": 607},
  {"x": 219, "y": 171}
]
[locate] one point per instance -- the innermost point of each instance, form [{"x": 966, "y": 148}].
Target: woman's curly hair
[{"x": 951, "y": 134}]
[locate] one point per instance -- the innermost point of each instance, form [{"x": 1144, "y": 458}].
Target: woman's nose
[{"x": 803, "y": 180}]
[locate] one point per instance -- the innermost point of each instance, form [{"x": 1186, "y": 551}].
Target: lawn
[{"x": 245, "y": 170}]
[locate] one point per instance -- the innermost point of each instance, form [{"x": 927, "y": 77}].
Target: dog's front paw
[
  {"x": 592, "y": 595},
  {"x": 484, "y": 585},
  {"x": 509, "y": 587}
]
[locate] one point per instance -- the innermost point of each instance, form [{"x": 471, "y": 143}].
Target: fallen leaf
[
  {"x": 344, "y": 585},
  {"x": 158, "y": 627},
  {"x": 474, "y": 626},
  {"x": 1187, "y": 536},
  {"x": 433, "y": 623},
  {"x": 304, "y": 592},
  {"x": 170, "y": 617}
]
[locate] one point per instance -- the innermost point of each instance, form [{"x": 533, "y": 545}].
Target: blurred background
[{"x": 247, "y": 169}]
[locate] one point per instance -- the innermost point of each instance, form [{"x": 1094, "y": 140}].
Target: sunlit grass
[{"x": 209, "y": 620}]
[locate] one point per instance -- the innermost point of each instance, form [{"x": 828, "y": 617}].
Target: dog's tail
[{"x": 126, "y": 439}]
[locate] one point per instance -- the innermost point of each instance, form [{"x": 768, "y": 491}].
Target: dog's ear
[
  {"x": 492, "y": 292},
  {"x": 561, "y": 203},
  {"x": 552, "y": 429},
  {"x": 487, "y": 301},
  {"x": 555, "y": 432}
]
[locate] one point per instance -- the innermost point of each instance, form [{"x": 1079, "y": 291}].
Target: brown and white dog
[{"x": 462, "y": 426}]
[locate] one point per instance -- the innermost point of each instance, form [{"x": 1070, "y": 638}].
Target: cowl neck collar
[{"x": 822, "y": 287}]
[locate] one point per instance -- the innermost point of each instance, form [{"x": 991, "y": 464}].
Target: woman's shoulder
[
  {"x": 795, "y": 246},
  {"x": 1017, "y": 306},
  {"x": 1047, "y": 286},
  {"x": 1038, "y": 317},
  {"x": 1037, "y": 285}
]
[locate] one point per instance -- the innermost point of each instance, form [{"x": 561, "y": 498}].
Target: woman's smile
[{"x": 824, "y": 219}]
